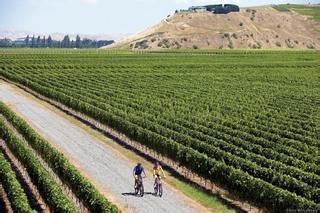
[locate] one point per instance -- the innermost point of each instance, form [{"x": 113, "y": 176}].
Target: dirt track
[{"x": 111, "y": 172}]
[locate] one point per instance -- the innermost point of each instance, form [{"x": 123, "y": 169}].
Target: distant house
[
  {"x": 232, "y": 7},
  {"x": 221, "y": 10},
  {"x": 198, "y": 9},
  {"x": 211, "y": 8},
  {"x": 216, "y": 8}
]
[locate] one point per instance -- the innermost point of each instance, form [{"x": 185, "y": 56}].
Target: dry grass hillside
[{"x": 262, "y": 27}]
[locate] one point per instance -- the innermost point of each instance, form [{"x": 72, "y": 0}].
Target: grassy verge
[
  {"x": 313, "y": 11},
  {"x": 199, "y": 195}
]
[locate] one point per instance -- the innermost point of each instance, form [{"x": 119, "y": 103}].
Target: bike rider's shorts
[{"x": 137, "y": 176}]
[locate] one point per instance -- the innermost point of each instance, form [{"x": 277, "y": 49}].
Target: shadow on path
[{"x": 136, "y": 195}]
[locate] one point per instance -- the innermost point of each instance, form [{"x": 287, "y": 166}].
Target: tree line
[{"x": 48, "y": 42}]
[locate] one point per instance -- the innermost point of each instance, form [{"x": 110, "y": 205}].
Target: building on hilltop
[
  {"x": 211, "y": 8},
  {"x": 216, "y": 8},
  {"x": 198, "y": 9},
  {"x": 232, "y": 7}
]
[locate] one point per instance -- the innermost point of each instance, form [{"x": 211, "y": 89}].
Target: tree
[
  {"x": 72, "y": 45},
  {"x": 78, "y": 42},
  {"x": 94, "y": 44},
  {"x": 102, "y": 43},
  {"x": 38, "y": 41},
  {"x": 5, "y": 42},
  {"x": 43, "y": 42},
  {"x": 49, "y": 41},
  {"x": 58, "y": 44},
  {"x": 26, "y": 40},
  {"x": 86, "y": 43},
  {"x": 65, "y": 42},
  {"x": 33, "y": 42}
]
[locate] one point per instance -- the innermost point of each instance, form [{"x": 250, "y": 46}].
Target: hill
[{"x": 261, "y": 27}]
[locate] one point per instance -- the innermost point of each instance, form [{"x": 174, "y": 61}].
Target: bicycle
[
  {"x": 138, "y": 187},
  {"x": 158, "y": 190}
]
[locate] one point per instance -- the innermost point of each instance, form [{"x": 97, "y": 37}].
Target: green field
[
  {"x": 247, "y": 120},
  {"x": 313, "y": 11}
]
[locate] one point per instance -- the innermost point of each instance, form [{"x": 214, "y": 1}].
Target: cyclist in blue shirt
[{"x": 137, "y": 171}]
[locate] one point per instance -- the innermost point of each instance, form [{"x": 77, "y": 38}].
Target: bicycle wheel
[
  {"x": 141, "y": 190},
  {"x": 156, "y": 190},
  {"x": 136, "y": 189},
  {"x": 160, "y": 190}
]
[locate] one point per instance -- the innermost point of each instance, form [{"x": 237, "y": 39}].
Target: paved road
[{"x": 102, "y": 164}]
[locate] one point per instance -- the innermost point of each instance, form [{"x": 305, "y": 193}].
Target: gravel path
[{"x": 102, "y": 164}]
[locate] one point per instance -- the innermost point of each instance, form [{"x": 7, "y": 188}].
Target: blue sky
[{"x": 99, "y": 16}]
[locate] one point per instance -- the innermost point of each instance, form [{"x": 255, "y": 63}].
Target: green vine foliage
[
  {"x": 15, "y": 193},
  {"x": 246, "y": 120},
  {"x": 82, "y": 188}
]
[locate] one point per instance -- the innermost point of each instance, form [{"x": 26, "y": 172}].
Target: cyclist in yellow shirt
[{"x": 157, "y": 170}]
